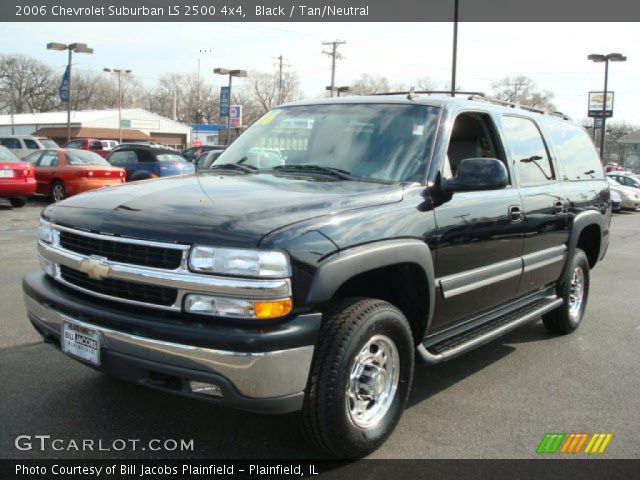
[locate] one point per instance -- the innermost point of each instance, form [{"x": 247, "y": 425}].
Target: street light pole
[
  {"x": 119, "y": 72},
  {"x": 599, "y": 58},
  {"x": 454, "y": 60},
  {"x": 72, "y": 47}
]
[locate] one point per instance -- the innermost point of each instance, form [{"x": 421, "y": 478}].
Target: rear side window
[
  {"x": 48, "y": 159},
  {"x": 10, "y": 142},
  {"x": 30, "y": 144},
  {"x": 576, "y": 152},
  {"x": 170, "y": 157},
  {"x": 122, "y": 157},
  {"x": 7, "y": 155},
  {"x": 528, "y": 150}
]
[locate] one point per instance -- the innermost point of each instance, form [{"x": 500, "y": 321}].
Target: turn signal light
[{"x": 272, "y": 309}]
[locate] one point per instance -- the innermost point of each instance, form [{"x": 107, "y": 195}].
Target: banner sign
[
  {"x": 224, "y": 101},
  {"x": 63, "y": 91}
]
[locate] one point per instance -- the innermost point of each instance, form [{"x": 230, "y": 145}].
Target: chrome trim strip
[
  {"x": 114, "y": 238},
  {"x": 464, "y": 282},
  {"x": 432, "y": 359},
  {"x": 258, "y": 375},
  {"x": 544, "y": 258},
  {"x": 181, "y": 280}
]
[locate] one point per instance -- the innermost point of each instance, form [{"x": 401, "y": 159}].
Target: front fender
[{"x": 336, "y": 269}]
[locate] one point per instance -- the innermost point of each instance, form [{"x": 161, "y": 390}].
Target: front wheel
[
  {"x": 574, "y": 290},
  {"x": 360, "y": 378}
]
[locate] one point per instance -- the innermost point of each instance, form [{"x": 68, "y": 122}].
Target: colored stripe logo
[{"x": 574, "y": 443}]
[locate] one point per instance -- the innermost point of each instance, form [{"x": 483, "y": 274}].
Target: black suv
[{"x": 328, "y": 247}]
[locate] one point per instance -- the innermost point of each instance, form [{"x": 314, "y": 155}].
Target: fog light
[
  {"x": 204, "y": 388},
  {"x": 274, "y": 309}
]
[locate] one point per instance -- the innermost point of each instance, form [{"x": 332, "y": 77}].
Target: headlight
[
  {"x": 244, "y": 262},
  {"x": 45, "y": 233}
]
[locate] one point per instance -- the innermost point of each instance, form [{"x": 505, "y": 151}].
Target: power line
[{"x": 334, "y": 56}]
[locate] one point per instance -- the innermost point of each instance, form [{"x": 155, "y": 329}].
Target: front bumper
[{"x": 263, "y": 380}]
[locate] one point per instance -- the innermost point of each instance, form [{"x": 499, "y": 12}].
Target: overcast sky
[{"x": 553, "y": 54}]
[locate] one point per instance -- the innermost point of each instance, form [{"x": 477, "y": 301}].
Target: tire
[
  {"x": 342, "y": 364},
  {"x": 17, "y": 202},
  {"x": 566, "y": 318},
  {"x": 58, "y": 192}
]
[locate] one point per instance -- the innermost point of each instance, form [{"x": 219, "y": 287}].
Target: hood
[{"x": 231, "y": 210}]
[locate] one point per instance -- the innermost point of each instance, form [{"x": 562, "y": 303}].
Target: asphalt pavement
[{"x": 495, "y": 402}]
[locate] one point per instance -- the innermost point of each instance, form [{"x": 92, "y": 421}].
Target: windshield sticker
[{"x": 418, "y": 129}]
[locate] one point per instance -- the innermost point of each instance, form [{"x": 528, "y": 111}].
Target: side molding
[{"x": 340, "y": 267}]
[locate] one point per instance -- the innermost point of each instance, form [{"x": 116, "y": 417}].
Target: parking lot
[{"x": 495, "y": 402}]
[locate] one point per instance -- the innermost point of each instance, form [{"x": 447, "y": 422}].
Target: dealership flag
[{"x": 63, "y": 91}]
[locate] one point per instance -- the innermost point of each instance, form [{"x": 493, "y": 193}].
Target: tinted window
[
  {"x": 170, "y": 157},
  {"x": 576, "y": 152},
  {"x": 48, "y": 159},
  {"x": 31, "y": 144},
  {"x": 10, "y": 142},
  {"x": 75, "y": 144},
  {"x": 7, "y": 155},
  {"x": 85, "y": 157},
  {"x": 96, "y": 145},
  {"x": 528, "y": 151},
  {"x": 121, "y": 157}
]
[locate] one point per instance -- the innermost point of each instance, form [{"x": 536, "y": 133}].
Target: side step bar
[{"x": 467, "y": 340}]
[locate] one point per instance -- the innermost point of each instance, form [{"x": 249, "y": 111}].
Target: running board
[{"x": 469, "y": 339}]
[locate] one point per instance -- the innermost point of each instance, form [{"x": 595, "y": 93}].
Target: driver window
[{"x": 473, "y": 136}]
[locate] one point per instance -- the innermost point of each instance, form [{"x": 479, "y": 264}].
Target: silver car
[{"x": 23, "y": 145}]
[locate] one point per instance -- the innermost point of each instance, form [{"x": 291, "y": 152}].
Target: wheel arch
[{"x": 587, "y": 234}]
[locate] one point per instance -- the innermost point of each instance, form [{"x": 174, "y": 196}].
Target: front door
[{"x": 45, "y": 170}]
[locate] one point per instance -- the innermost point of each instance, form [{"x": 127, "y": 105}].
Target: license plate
[
  {"x": 6, "y": 173},
  {"x": 81, "y": 342}
]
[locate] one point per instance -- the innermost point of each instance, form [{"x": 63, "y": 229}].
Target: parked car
[
  {"x": 309, "y": 276},
  {"x": 144, "y": 161},
  {"x": 616, "y": 201},
  {"x": 194, "y": 152},
  {"x": 23, "y": 145},
  {"x": 17, "y": 178},
  {"x": 629, "y": 196},
  {"x": 626, "y": 179},
  {"x": 204, "y": 161},
  {"x": 91, "y": 144},
  {"x": 613, "y": 167},
  {"x": 109, "y": 144},
  {"x": 65, "y": 172}
]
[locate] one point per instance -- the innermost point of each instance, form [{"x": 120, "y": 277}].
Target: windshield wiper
[
  {"x": 234, "y": 166},
  {"x": 336, "y": 172}
]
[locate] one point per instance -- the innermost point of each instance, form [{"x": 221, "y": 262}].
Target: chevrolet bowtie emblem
[{"x": 95, "y": 267}]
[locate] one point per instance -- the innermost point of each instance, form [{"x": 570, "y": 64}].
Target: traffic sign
[{"x": 224, "y": 101}]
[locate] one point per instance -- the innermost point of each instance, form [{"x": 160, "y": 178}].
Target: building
[
  {"x": 137, "y": 125},
  {"x": 631, "y": 156},
  {"x": 207, "y": 134}
]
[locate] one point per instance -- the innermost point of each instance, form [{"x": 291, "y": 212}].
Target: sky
[{"x": 554, "y": 55}]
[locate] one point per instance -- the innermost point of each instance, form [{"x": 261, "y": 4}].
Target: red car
[
  {"x": 17, "y": 178},
  {"x": 90, "y": 144},
  {"x": 65, "y": 172}
]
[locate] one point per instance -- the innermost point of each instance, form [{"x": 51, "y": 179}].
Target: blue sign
[
  {"x": 224, "y": 101},
  {"x": 63, "y": 91}
]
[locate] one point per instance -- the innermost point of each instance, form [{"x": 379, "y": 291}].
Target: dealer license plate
[
  {"x": 81, "y": 342},
  {"x": 6, "y": 173}
]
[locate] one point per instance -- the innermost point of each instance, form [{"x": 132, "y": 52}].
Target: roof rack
[
  {"x": 518, "y": 105},
  {"x": 432, "y": 92}
]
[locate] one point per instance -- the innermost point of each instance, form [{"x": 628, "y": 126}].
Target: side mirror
[{"x": 478, "y": 174}]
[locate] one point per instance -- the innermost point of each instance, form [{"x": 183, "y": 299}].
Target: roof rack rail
[
  {"x": 432, "y": 92},
  {"x": 519, "y": 105}
]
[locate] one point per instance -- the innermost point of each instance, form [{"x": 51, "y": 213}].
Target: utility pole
[
  {"x": 454, "y": 60},
  {"x": 280, "y": 85},
  {"x": 118, "y": 72},
  {"x": 516, "y": 86},
  {"x": 334, "y": 56}
]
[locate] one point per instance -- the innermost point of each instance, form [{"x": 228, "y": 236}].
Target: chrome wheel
[
  {"x": 373, "y": 382},
  {"x": 576, "y": 292},
  {"x": 57, "y": 193}
]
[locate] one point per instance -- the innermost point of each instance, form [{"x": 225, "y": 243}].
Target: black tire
[
  {"x": 348, "y": 328},
  {"x": 58, "y": 192},
  {"x": 17, "y": 202},
  {"x": 564, "y": 319}
]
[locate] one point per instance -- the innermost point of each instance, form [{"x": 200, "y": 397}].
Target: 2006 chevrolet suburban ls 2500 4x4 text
[{"x": 332, "y": 244}]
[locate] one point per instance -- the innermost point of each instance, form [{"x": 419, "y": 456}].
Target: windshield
[
  {"x": 7, "y": 155},
  {"x": 170, "y": 157},
  {"x": 84, "y": 157},
  {"x": 47, "y": 143},
  {"x": 376, "y": 141}
]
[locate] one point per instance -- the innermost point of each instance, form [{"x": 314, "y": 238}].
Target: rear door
[{"x": 544, "y": 202}]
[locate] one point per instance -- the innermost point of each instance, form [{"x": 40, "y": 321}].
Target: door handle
[
  {"x": 558, "y": 207},
  {"x": 515, "y": 214}
]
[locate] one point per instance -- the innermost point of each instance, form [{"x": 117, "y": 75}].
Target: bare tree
[
  {"x": 523, "y": 90},
  {"x": 26, "y": 83},
  {"x": 369, "y": 85}
]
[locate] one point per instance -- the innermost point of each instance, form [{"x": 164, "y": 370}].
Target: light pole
[
  {"x": 119, "y": 72},
  {"x": 72, "y": 47},
  {"x": 599, "y": 58},
  {"x": 11, "y": 64},
  {"x": 339, "y": 90},
  {"x": 231, "y": 73},
  {"x": 454, "y": 59}
]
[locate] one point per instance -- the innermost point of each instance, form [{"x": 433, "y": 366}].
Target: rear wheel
[
  {"x": 360, "y": 378},
  {"x": 574, "y": 290},
  {"x": 58, "y": 192},
  {"x": 17, "y": 202}
]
